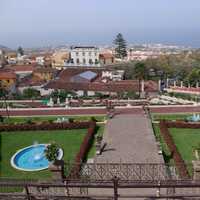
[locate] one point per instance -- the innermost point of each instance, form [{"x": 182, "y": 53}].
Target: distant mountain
[{"x": 4, "y": 48}]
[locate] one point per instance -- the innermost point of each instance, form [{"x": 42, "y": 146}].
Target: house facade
[
  {"x": 106, "y": 58},
  {"x": 45, "y": 73},
  {"x": 84, "y": 56}
]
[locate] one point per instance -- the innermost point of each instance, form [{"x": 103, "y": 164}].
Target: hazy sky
[{"x": 32, "y": 23}]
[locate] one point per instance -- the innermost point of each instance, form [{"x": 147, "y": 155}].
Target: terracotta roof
[
  {"x": 45, "y": 69},
  {"x": 119, "y": 86},
  {"x": 6, "y": 74},
  {"x": 18, "y": 68},
  {"x": 112, "y": 87},
  {"x": 106, "y": 55}
]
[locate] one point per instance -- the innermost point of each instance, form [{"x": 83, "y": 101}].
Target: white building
[
  {"x": 87, "y": 56},
  {"x": 142, "y": 55},
  {"x": 117, "y": 75},
  {"x": 40, "y": 60}
]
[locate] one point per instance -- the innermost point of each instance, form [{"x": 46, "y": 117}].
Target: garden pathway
[{"x": 129, "y": 139}]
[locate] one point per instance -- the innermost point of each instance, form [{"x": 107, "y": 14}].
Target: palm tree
[{"x": 140, "y": 73}]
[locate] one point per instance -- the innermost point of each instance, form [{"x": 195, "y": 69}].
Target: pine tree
[
  {"x": 20, "y": 51},
  {"x": 120, "y": 49}
]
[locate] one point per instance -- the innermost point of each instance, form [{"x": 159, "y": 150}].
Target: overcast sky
[{"x": 33, "y": 23}]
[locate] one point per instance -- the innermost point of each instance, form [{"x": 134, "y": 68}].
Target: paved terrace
[
  {"x": 129, "y": 139},
  {"x": 66, "y": 111},
  {"x": 97, "y": 110}
]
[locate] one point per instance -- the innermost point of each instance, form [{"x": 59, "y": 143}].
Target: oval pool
[{"x": 32, "y": 158}]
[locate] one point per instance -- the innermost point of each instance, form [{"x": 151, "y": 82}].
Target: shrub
[
  {"x": 70, "y": 120},
  {"x": 51, "y": 152},
  {"x": 29, "y": 121},
  {"x": 93, "y": 119}
]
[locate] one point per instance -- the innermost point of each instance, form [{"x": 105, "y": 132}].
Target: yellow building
[
  {"x": 45, "y": 73},
  {"x": 59, "y": 58}
]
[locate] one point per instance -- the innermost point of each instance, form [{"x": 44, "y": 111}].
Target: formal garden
[
  {"x": 179, "y": 136},
  {"x": 75, "y": 137}
]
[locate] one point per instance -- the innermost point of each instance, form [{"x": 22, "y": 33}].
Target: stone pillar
[
  {"x": 181, "y": 84},
  {"x": 188, "y": 85},
  {"x": 174, "y": 83},
  {"x": 159, "y": 85},
  {"x": 167, "y": 83},
  {"x": 128, "y": 104},
  {"x": 57, "y": 170},
  {"x": 196, "y": 169},
  {"x": 142, "y": 86},
  {"x": 197, "y": 84},
  {"x": 142, "y": 94},
  {"x": 50, "y": 103},
  {"x": 67, "y": 102},
  {"x": 58, "y": 101}
]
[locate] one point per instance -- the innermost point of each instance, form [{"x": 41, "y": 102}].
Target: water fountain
[
  {"x": 32, "y": 158},
  {"x": 194, "y": 118}
]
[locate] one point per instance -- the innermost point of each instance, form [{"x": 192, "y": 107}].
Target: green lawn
[
  {"x": 12, "y": 120},
  {"x": 156, "y": 117},
  {"x": 186, "y": 140},
  {"x": 68, "y": 140}
]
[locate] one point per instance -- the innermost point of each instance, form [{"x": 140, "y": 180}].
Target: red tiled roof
[
  {"x": 44, "y": 69},
  {"x": 118, "y": 86},
  {"x": 6, "y": 74},
  {"x": 18, "y": 68},
  {"x": 106, "y": 55}
]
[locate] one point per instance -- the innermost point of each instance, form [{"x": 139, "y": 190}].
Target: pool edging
[{"x": 61, "y": 153}]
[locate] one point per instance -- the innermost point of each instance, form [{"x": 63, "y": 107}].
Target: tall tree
[
  {"x": 140, "y": 73},
  {"x": 120, "y": 44},
  {"x": 20, "y": 51}
]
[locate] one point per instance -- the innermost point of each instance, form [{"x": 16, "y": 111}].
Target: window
[
  {"x": 76, "y": 53},
  {"x": 83, "y": 53},
  {"x": 77, "y": 61},
  {"x": 96, "y": 61},
  {"x": 90, "y": 61},
  {"x": 89, "y": 53},
  {"x": 84, "y": 61}
]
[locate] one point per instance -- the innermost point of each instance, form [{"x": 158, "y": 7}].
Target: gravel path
[{"x": 129, "y": 139}]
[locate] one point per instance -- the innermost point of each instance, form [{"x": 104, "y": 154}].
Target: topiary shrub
[{"x": 51, "y": 152}]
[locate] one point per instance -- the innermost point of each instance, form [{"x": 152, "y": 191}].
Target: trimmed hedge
[
  {"x": 182, "y": 124},
  {"x": 180, "y": 164},
  {"x": 44, "y": 126},
  {"x": 84, "y": 148}
]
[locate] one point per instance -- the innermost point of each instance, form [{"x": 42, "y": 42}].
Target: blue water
[{"x": 32, "y": 158}]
